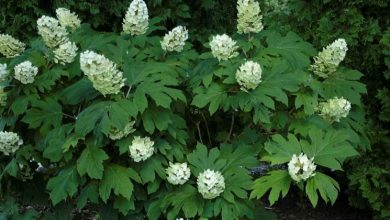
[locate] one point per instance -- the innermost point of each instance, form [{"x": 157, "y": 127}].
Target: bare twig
[
  {"x": 207, "y": 128},
  {"x": 128, "y": 91},
  {"x": 231, "y": 128},
  {"x": 200, "y": 134}
]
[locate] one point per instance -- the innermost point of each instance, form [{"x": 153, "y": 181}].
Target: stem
[
  {"x": 200, "y": 135},
  {"x": 70, "y": 116},
  {"x": 207, "y": 128},
  {"x": 231, "y": 128},
  {"x": 128, "y": 91}
]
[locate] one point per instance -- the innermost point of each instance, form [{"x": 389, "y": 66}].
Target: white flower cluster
[
  {"x": 334, "y": 109},
  {"x": 248, "y": 75},
  {"x": 65, "y": 53},
  {"x": 136, "y": 18},
  {"x": 10, "y": 47},
  {"x": 223, "y": 47},
  {"x": 51, "y": 31},
  {"x": 3, "y": 72},
  {"x": 178, "y": 173},
  {"x": 25, "y": 72},
  {"x": 3, "y": 97},
  {"x": 210, "y": 184},
  {"x": 68, "y": 19},
  {"x": 249, "y": 17},
  {"x": 116, "y": 134},
  {"x": 329, "y": 58},
  {"x": 9, "y": 142},
  {"x": 141, "y": 148},
  {"x": 103, "y": 73},
  {"x": 301, "y": 168},
  {"x": 175, "y": 39}
]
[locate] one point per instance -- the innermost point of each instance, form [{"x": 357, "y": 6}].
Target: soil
[{"x": 290, "y": 209}]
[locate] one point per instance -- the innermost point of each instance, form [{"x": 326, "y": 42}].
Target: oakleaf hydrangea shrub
[{"x": 142, "y": 125}]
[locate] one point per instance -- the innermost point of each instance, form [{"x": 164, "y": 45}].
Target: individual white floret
[
  {"x": 25, "y": 72},
  {"x": 9, "y": 142},
  {"x": 141, "y": 148},
  {"x": 175, "y": 39},
  {"x": 178, "y": 173},
  {"x": 248, "y": 76},
  {"x": 223, "y": 47},
  {"x": 136, "y": 20},
  {"x": 301, "y": 168},
  {"x": 249, "y": 17},
  {"x": 210, "y": 184},
  {"x": 10, "y": 47},
  {"x": 103, "y": 73}
]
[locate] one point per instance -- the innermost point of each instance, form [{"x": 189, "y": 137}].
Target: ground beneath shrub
[{"x": 290, "y": 209}]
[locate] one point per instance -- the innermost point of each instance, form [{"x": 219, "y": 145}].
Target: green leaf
[
  {"x": 326, "y": 186},
  {"x": 53, "y": 143},
  {"x": 91, "y": 162},
  {"x": 88, "y": 193},
  {"x": 151, "y": 167},
  {"x": 156, "y": 118},
  {"x": 308, "y": 101},
  {"x": 71, "y": 94},
  {"x": 185, "y": 198},
  {"x": 124, "y": 205},
  {"x": 64, "y": 185},
  {"x": 282, "y": 149},
  {"x": 291, "y": 47},
  {"x": 116, "y": 178},
  {"x": 213, "y": 95},
  {"x": 47, "y": 79},
  {"x": 329, "y": 149},
  {"x": 343, "y": 83},
  {"x": 278, "y": 182},
  {"x": 44, "y": 114},
  {"x": 202, "y": 159},
  {"x": 156, "y": 80}
]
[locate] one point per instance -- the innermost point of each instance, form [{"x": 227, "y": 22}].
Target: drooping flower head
[
  {"x": 334, "y": 109},
  {"x": 329, "y": 58},
  {"x": 301, "y": 168},
  {"x": 68, "y": 19},
  {"x": 223, "y": 47},
  {"x": 116, "y": 134},
  {"x": 210, "y": 184},
  {"x": 10, "y": 47},
  {"x": 141, "y": 148},
  {"x": 104, "y": 74},
  {"x": 178, "y": 173},
  {"x": 65, "y": 53},
  {"x": 136, "y": 20},
  {"x": 3, "y": 72},
  {"x": 175, "y": 39},
  {"x": 51, "y": 31},
  {"x": 25, "y": 72},
  {"x": 9, "y": 142},
  {"x": 248, "y": 76},
  {"x": 249, "y": 18}
]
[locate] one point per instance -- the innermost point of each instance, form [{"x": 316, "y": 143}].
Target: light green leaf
[
  {"x": 91, "y": 162},
  {"x": 116, "y": 178},
  {"x": 64, "y": 185},
  {"x": 278, "y": 182}
]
